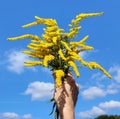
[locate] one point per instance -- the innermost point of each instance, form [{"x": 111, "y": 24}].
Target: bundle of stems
[{"x": 55, "y": 49}]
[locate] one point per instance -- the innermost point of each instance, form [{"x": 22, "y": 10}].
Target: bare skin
[{"x": 65, "y": 97}]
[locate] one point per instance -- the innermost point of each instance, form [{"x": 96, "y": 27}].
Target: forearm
[{"x": 67, "y": 113}]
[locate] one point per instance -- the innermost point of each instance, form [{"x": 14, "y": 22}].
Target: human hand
[{"x": 66, "y": 96}]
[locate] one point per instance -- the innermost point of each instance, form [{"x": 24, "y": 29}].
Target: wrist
[{"x": 67, "y": 113}]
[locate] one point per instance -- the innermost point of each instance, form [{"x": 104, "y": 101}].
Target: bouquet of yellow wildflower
[{"x": 55, "y": 49}]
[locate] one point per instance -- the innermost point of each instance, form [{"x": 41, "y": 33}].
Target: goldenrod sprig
[{"x": 55, "y": 50}]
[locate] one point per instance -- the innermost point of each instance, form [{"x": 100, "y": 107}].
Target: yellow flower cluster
[
  {"x": 59, "y": 74},
  {"x": 47, "y": 59},
  {"x": 55, "y": 50},
  {"x": 71, "y": 63},
  {"x": 75, "y": 23}
]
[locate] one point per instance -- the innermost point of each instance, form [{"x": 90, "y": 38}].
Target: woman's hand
[{"x": 66, "y": 96}]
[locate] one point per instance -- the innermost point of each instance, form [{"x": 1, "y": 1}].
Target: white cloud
[
  {"x": 13, "y": 115},
  {"x": 10, "y": 115},
  {"x": 111, "y": 91},
  {"x": 101, "y": 109},
  {"x": 93, "y": 92},
  {"x": 110, "y": 105},
  {"x": 95, "y": 111},
  {"x": 115, "y": 70},
  {"x": 96, "y": 75},
  {"x": 112, "y": 86},
  {"x": 46, "y": 70},
  {"x": 99, "y": 76},
  {"x": 16, "y": 61},
  {"x": 27, "y": 116},
  {"x": 83, "y": 54},
  {"x": 39, "y": 90}
]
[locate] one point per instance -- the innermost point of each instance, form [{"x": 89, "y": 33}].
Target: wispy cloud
[
  {"x": 93, "y": 92},
  {"x": 10, "y": 115},
  {"x": 46, "y": 70},
  {"x": 90, "y": 114},
  {"x": 27, "y": 116},
  {"x": 115, "y": 70},
  {"x": 16, "y": 61},
  {"x": 109, "y": 105},
  {"x": 99, "y": 90},
  {"x": 83, "y": 54},
  {"x": 96, "y": 91},
  {"x": 102, "y": 108},
  {"x": 96, "y": 75},
  {"x": 39, "y": 90},
  {"x": 13, "y": 115}
]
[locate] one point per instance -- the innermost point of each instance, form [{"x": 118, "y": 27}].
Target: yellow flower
[
  {"x": 46, "y": 37},
  {"x": 80, "y": 43},
  {"x": 47, "y": 58},
  {"x": 82, "y": 16},
  {"x": 25, "y": 36},
  {"x": 66, "y": 45},
  {"x": 72, "y": 33},
  {"x": 50, "y": 22},
  {"x": 59, "y": 74},
  {"x": 61, "y": 55},
  {"x": 71, "y": 63},
  {"x": 51, "y": 29},
  {"x": 83, "y": 49},
  {"x": 32, "y": 63},
  {"x": 30, "y": 24},
  {"x": 34, "y": 54},
  {"x": 94, "y": 65},
  {"x": 55, "y": 39}
]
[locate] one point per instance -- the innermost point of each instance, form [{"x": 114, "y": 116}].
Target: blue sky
[{"x": 24, "y": 92}]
